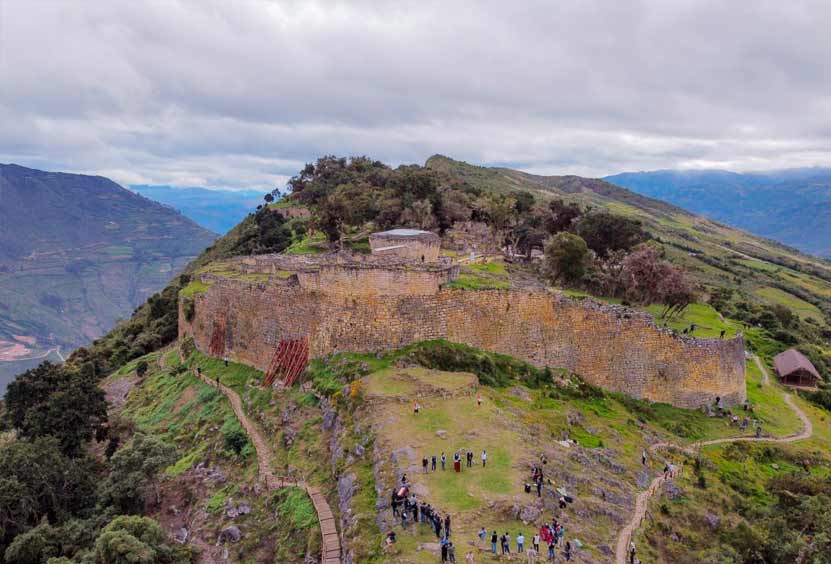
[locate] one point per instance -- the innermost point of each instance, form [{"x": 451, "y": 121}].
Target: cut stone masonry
[{"x": 377, "y": 303}]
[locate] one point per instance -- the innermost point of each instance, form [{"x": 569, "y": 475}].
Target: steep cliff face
[{"x": 77, "y": 253}]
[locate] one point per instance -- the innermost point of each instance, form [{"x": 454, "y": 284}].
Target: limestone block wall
[{"x": 611, "y": 347}]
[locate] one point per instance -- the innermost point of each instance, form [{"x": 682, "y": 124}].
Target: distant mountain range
[
  {"x": 216, "y": 210},
  {"x": 77, "y": 253},
  {"x": 790, "y": 206}
]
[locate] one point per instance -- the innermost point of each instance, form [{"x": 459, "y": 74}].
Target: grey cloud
[{"x": 242, "y": 93}]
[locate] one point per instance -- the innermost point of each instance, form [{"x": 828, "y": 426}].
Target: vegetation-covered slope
[
  {"x": 77, "y": 253},
  {"x": 792, "y": 206},
  {"x": 718, "y": 255}
]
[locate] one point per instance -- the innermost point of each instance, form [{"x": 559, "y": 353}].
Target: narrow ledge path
[
  {"x": 642, "y": 501},
  {"x": 328, "y": 528}
]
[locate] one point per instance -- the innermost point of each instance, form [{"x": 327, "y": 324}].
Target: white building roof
[{"x": 404, "y": 233}]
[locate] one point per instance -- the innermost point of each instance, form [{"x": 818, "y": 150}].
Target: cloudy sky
[{"x": 242, "y": 93}]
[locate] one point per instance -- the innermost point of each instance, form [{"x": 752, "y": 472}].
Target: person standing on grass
[
  {"x": 433, "y": 461},
  {"x": 217, "y": 380},
  {"x": 424, "y": 464},
  {"x": 535, "y": 540},
  {"x": 482, "y": 534},
  {"x": 494, "y": 538},
  {"x": 484, "y": 458},
  {"x": 451, "y": 552},
  {"x": 469, "y": 558},
  {"x": 447, "y": 525},
  {"x": 551, "y": 551},
  {"x": 567, "y": 551},
  {"x": 416, "y": 408},
  {"x": 479, "y": 400},
  {"x": 520, "y": 542},
  {"x": 225, "y": 360},
  {"x": 643, "y": 457},
  {"x": 539, "y": 485},
  {"x": 443, "y": 551},
  {"x": 443, "y": 461}
]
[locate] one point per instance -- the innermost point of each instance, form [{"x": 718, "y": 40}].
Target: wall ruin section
[{"x": 377, "y": 309}]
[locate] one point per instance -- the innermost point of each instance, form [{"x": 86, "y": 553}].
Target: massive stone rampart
[{"x": 613, "y": 347}]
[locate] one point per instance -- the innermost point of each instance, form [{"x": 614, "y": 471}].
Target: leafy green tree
[
  {"x": 34, "y": 546},
  {"x": 37, "y": 481},
  {"x": 566, "y": 258},
  {"x": 560, "y": 216},
  {"x": 58, "y": 401},
  {"x": 132, "y": 470},
  {"x": 133, "y": 540},
  {"x": 605, "y": 232}
]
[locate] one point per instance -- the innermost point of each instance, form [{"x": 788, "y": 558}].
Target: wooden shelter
[{"x": 795, "y": 369}]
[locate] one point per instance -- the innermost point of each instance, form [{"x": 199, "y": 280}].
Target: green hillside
[
  {"x": 78, "y": 253},
  {"x": 718, "y": 255}
]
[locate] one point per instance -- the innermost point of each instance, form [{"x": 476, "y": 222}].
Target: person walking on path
[
  {"x": 484, "y": 458},
  {"x": 535, "y": 540},
  {"x": 494, "y": 538},
  {"x": 482, "y": 534},
  {"x": 447, "y": 525},
  {"x": 551, "y": 551},
  {"x": 444, "y": 550},
  {"x": 443, "y": 461},
  {"x": 520, "y": 542},
  {"x": 451, "y": 552},
  {"x": 643, "y": 457},
  {"x": 217, "y": 380},
  {"x": 567, "y": 551},
  {"x": 632, "y": 551},
  {"x": 539, "y": 486},
  {"x": 424, "y": 464}
]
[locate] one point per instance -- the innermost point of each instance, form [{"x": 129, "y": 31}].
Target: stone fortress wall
[{"x": 377, "y": 303}]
